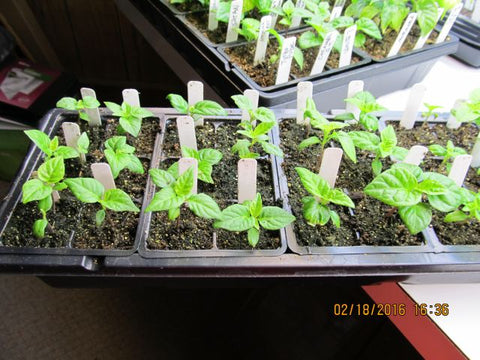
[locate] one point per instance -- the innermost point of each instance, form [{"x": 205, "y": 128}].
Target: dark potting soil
[
  {"x": 264, "y": 74},
  {"x": 373, "y": 223},
  {"x": 145, "y": 140},
  {"x": 200, "y": 21},
  {"x": 464, "y": 233}
]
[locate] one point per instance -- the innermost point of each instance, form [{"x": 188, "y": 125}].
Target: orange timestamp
[{"x": 390, "y": 309}]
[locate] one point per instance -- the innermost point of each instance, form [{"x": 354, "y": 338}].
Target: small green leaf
[
  {"x": 40, "y": 139},
  {"x": 452, "y": 197},
  {"x": 431, "y": 187},
  {"x": 271, "y": 149},
  {"x": 437, "y": 150},
  {"x": 342, "y": 22},
  {"x": 242, "y": 102},
  {"x": 99, "y": 217},
  {"x": 184, "y": 184},
  {"x": 365, "y": 140},
  {"x": 34, "y": 190},
  {"x": 274, "y": 218},
  {"x": 190, "y": 153},
  {"x": 83, "y": 143},
  {"x": 210, "y": 156},
  {"x": 368, "y": 27},
  {"x": 165, "y": 199},
  {"x": 66, "y": 152},
  {"x": 87, "y": 190},
  {"x": 377, "y": 167},
  {"x": 235, "y": 218},
  {"x": 118, "y": 200},
  {"x": 313, "y": 183},
  {"x": 173, "y": 170},
  {"x": 205, "y": 172},
  {"x": 335, "y": 218},
  {"x": 369, "y": 121},
  {"x": 131, "y": 125},
  {"x": 309, "y": 142},
  {"x": 89, "y": 102},
  {"x": 140, "y": 113},
  {"x": 309, "y": 39},
  {"x": 208, "y": 107},
  {"x": 265, "y": 115},
  {"x": 60, "y": 187},
  {"x": 347, "y": 145},
  {"x": 173, "y": 213},
  {"x": 253, "y": 237},
  {"x": 52, "y": 171},
  {"x": 39, "y": 227},
  {"x": 178, "y": 102},
  {"x": 416, "y": 217},
  {"x": 340, "y": 198},
  {"x": 67, "y": 103},
  {"x": 256, "y": 206},
  {"x": 204, "y": 206},
  {"x": 45, "y": 204},
  {"x": 135, "y": 165},
  {"x": 315, "y": 213},
  {"x": 54, "y": 144},
  {"x": 114, "y": 108},
  {"x": 161, "y": 178},
  {"x": 263, "y": 128},
  {"x": 456, "y": 216}
]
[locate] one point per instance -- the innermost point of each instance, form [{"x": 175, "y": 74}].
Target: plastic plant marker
[
  {"x": 234, "y": 20},
  {"x": 285, "y": 61},
  {"x": 476, "y": 12},
  {"x": 449, "y": 23},
  {"x": 297, "y": 19},
  {"x": 304, "y": 91},
  {"x": 324, "y": 52},
  {"x": 103, "y": 173},
  {"x": 71, "y": 132},
  {"x": 262, "y": 41},
  {"x": 337, "y": 9},
  {"x": 347, "y": 46},
  {"x": 275, "y": 5},
  {"x": 212, "y": 15},
  {"x": 469, "y": 5},
  {"x": 452, "y": 122},
  {"x": 253, "y": 95},
  {"x": 331, "y": 159},
  {"x": 459, "y": 169},
  {"x": 247, "y": 179},
  {"x": 415, "y": 155},
  {"x": 402, "y": 34},
  {"x": 476, "y": 153},
  {"x": 186, "y": 163},
  {"x": 195, "y": 94},
  {"x": 131, "y": 97},
  {"x": 415, "y": 100},
  {"x": 93, "y": 114},
  {"x": 354, "y": 87},
  {"x": 186, "y": 132},
  {"x": 423, "y": 39},
  {"x": 55, "y": 196}
]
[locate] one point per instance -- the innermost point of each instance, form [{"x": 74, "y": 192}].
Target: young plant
[
  {"x": 177, "y": 192},
  {"x": 403, "y": 186},
  {"x": 201, "y": 108},
  {"x": 206, "y": 159},
  {"x": 297, "y": 53},
  {"x": 48, "y": 178},
  {"x": 288, "y": 11},
  {"x": 51, "y": 148},
  {"x": 91, "y": 191},
  {"x": 365, "y": 27},
  {"x": 120, "y": 155},
  {"x": 249, "y": 29},
  {"x": 449, "y": 152},
  {"x": 223, "y": 12},
  {"x": 329, "y": 130},
  {"x": 469, "y": 111},
  {"x": 470, "y": 209},
  {"x": 427, "y": 11},
  {"x": 262, "y": 114},
  {"x": 382, "y": 146},
  {"x": 311, "y": 39},
  {"x": 264, "y": 6},
  {"x": 251, "y": 216},
  {"x": 367, "y": 104},
  {"x": 430, "y": 114},
  {"x": 130, "y": 117},
  {"x": 255, "y": 135},
  {"x": 69, "y": 103},
  {"x": 315, "y": 207}
]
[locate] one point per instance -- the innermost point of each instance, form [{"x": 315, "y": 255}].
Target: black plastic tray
[{"x": 469, "y": 47}]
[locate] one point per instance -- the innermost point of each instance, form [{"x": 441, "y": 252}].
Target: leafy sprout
[
  {"x": 201, "y": 108},
  {"x": 297, "y": 53},
  {"x": 367, "y": 104},
  {"x": 365, "y": 27},
  {"x": 51, "y": 148},
  {"x": 69, "y": 103},
  {"x": 469, "y": 111},
  {"x": 130, "y": 117},
  {"x": 120, "y": 155},
  {"x": 449, "y": 152},
  {"x": 470, "y": 209},
  {"x": 288, "y": 11},
  {"x": 427, "y": 11},
  {"x": 430, "y": 113},
  {"x": 249, "y": 29},
  {"x": 206, "y": 159}
]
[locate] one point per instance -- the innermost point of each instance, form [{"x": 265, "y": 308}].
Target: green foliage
[
  {"x": 393, "y": 14},
  {"x": 367, "y": 104},
  {"x": 251, "y": 216},
  {"x": 69, "y": 103},
  {"x": 297, "y": 53},
  {"x": 469, "y": 111},
  {"x": 470, "y": 208},
  {"x": 249, "y": 29},
  {"x": 120, "y": 155},
  {"x": 430, "y": 113},
  {"x": 426, "y": 14},
  {"x": 447, "y": 153},
  {"x": 51, "y": 148},
  {"x": 288, "y": 11},
  {"x": 315, "y": 207},
  {"x": 130, "y": 117},
  {"x": 206, "y": 159},
  {"x": 201, "y": 108}
]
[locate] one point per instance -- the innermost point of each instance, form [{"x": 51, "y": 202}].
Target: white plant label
[
  {"x": 55, "y": 196},
  {"x": 131, "y": 97},
  {"x": 354, "y": 87},
  {"x": 234, "y": 20},
  {"x": 253, "y": 96},
  {"x": 476, "y": 12},
  {"x": 186, "y": 132},
  {"x": 423, "y": 39},
  {"x": 212, "y": 15},
  {"x": 336, "y": 12},
  {"x": 469, "y": 5},
  {"x": 247, "y": 179},
  {"x": 476, "y": 153},
  {"x": 459, "y": 169},
  {"x": 276, "y": 4},
  {"x": 195, "y": 94},
  {"x": 347, "y": 46},
  {"x": 262, "y": 41},
  {"x": 304, "y": 91},
  {"x": 71, "y": 131},
  {"x": 324, "y": 52},
  {"x": 449, "y": 23},
  {"x": 186, "y": 163},
  {"x": 285, "y": 61},
  {"x": 103, "y": 173},
  {"x": 297, "y": 19},
  {"x": 93, "y": 114},
  {"x": 415, "y": 155},
  {"x": 413, "y": 105},
  {"x": 452, "y": 122},
  {"x": 402, "y": 35},
  {"x": 331, "y": 159}
]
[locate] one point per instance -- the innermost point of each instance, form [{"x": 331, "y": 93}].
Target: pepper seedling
[
  {"x": 176, "y": 192},
  {"x": 315, "y": 207},
  {"x": 69, "y": 103},
  {"x": 367, "y": 104},
  {"x": 470, "y": 209},
  {"x": 251, "y": 216},
  {"x": 262, "y": 114},
  {"x": 469, "y": 111},
  {"x": 51, "y": 148},
  {"x": 449, "y": 152},
  {"x": 297, "y": 53},
  {"x": 91, "y": 191},
  {"x": 288, "y": 11},
  {"x": 130, "y": 117},
  {"x": 258, "y": 134},
  {"x": 120, "y": 155},
  {"x": 427, "y": 11},
  {"x": 365, "y": 27},
  {"x": 249, "y": 29},
  {"x": 382, "y": 146},
  {"x": 201, "y": 108},
  {"x": 430, "y": 113},
  {"x": 404, "y": 185},
  {"x": 206, "y": 159}
]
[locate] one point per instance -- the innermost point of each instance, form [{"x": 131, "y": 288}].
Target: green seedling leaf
[
  {"x": 52, "y": 171},
  {"x": 416, "y": 217},
  {"x": 314, "y": 212},
  {"x": 118, "y": 200},
  {"x": 161, "y": 178},
  {"x": 40, "y": 139},
  {"x": 34, "y": 190},
  {"x": 242, "y": 102},
  {"x": 100, "y": 217},
  {"x": 67, "y": 103},
  {"x": 235, "y": 218},
  {"x": 39, "y": 227},
  {"x": 45, "y": 204},
  {"x": 165, "y": 199},
  {"x": 309, "y": 142},
  {"x": 184, "y": 184},
  {"x": 208, "y": 107},
  {"x": 66, "y": 152},
  {"x": 253, "y": 237},
  {"x": 204, "y": 206},
  {"x": 313, "y": 183},
  {"x": 274, "y": 218},
  {"x": 86, "y": 190}
]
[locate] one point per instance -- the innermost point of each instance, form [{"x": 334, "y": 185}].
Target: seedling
[
  {"x": 244, "y": 147},
  {"x": 288, "y": 11},
  {"x": 447, "y": 153},
  {"x": 120, "y": 155},
  {"x": 206, "y": 159},
  {"x": 469, "y": 111},
  {"x": 470, "y": 209},
  {"x": 251, "y": 216},
  {"x": 329, "y": 130},
  {"x": 91, "y": 191},
  {"x": 382, "y": 146},
  {"x": 130, "y": 117},
  {"x": 249, "y": 29},
  {"x": 261, "y": 114},
  {"x": 315, "y": 207},
  {"x": 403, "y": 186},
  {"x": 297, "y": 53},
  {"x": 69, "y": 103},
  {"x": 264, "y": 6},
  {"x": 365, "y": 27},
  {"x": 201, "y": 108},
  {"x": 427, "y": 11},
  {"x": 177, "y": 192},
  {"x": 51, "y": 148},
  {"x": 367, "y": 104},
  {"x": 430, "y": 114}
]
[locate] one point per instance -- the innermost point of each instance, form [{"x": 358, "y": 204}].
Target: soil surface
[{"x": 370, "y": 223}]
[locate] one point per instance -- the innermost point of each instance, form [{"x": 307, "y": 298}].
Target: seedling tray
[{"x": 469, "y": 47}]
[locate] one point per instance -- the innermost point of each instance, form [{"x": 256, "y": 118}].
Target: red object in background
[{"x": 22, "y": 83}]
